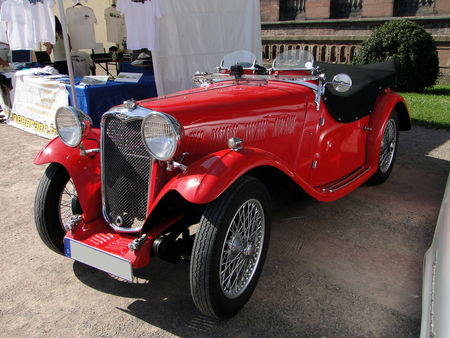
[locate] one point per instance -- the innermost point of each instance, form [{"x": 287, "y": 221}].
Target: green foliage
[
  {"x": 411, "y": 45},
  {"x": 431, "y": 108}
]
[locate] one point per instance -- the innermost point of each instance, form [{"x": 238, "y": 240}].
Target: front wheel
[
  {"x": 55, "y": 203},
  {"x": 388, "y": 150},
  {"x": 230, "y": 248}
]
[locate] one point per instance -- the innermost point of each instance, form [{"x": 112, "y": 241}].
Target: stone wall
[
  {"x": 274, "y": 10},
  {"x": 337, "y": 40}
]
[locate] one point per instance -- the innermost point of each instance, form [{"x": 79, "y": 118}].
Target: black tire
[
  {"x": 211, "y": 249},
  {"x": 384, "y": 169},
  {"x": 47, "y": 206}
]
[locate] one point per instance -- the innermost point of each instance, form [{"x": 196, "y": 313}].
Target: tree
[{"x": 411, "y": 45}]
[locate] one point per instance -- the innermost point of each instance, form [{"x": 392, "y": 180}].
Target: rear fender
[
  {"x": 84, "y": 170},
  {"x": 386, "y": 102},
  {"x": 206, "y": 179}
]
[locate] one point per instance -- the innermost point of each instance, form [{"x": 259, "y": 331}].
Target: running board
[{"x": 343, "y": 182}]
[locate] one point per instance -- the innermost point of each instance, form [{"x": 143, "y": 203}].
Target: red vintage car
[{"x": 185, "y": 176}]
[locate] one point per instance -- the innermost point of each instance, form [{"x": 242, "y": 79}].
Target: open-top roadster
[{"x": 113, "y": 197}]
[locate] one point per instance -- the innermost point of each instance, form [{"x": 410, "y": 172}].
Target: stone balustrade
[{"x": 331, "y": 53}]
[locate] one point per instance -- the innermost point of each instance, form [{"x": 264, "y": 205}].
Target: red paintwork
[
  {"x": 279, "y": 124},
  {"x": 84, "y": 170},
  {"x": 210, "y": 117},
  {"x": 98, "y": 234},
  {"x": 385, "y": 104}
]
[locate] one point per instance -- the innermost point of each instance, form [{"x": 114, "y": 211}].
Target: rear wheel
[
  {"x": 55, "y": 203},
  {"x": 230, "y": 248},
  {"x": 388, "y": 150}
]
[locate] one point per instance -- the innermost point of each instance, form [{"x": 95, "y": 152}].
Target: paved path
[{"x": 347, "y": 268}]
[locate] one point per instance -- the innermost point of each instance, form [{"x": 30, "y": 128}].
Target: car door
[{"x": 339, "y": 148}]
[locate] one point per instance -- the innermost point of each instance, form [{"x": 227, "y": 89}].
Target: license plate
[{"x": 98, "y": 259}]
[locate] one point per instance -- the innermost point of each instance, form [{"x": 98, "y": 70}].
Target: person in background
[
  {"x": 59, "y": 54},
  {"x": 3, "y": 63}
]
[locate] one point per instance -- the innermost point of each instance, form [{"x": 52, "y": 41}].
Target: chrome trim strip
[
  {"x": 302, "y": 83},
  {"x": 345, "y": 182}
]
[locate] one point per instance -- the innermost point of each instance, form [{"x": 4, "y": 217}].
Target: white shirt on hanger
[
  {"x": 44, "y": 21},
  {"x": 3, "y": 34},
  {"x": 142, "y": 22},
  {"x": 27, "y": 24},
  {"x": 115, "y": 25},
  {"x": 19, "y": 20},
  {"x": 80, "y": 22}
]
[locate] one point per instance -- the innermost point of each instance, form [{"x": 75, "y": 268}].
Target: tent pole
[{"x": 67, "y": 50}]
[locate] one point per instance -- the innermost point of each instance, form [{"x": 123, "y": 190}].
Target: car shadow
[{"x": 162, "y": 298}]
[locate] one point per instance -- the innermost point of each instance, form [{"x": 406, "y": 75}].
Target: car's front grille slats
[{"x": 126, "y": 167}]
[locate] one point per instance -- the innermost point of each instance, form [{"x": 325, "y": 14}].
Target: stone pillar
[
  {"x": 442, "y": 7},
  {"x": 377, "y": 8},
  {"x": 270, "y": 10},
  {"x": 317, "y": 9}
]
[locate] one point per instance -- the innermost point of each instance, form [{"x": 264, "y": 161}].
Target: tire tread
[
  {"x": 204, "y": 245},
  {"x": 44, "y": 198}
]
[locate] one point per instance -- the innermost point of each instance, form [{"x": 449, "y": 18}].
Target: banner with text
[{"x": 36, "y": 100}]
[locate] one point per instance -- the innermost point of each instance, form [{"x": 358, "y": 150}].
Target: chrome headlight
[
  {"x": 161, "y": 134},
  {"x": 71, "y": 125}
]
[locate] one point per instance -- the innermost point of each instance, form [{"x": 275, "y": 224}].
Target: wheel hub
[{"x": 249, "y": 250}]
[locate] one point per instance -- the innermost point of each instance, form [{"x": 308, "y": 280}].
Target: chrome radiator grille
[{"x": 126, "y": 167}]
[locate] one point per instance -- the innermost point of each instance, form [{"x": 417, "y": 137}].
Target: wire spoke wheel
[
  {"x": 230, "y": 248},
  {"x": 388, "y": 150},
  {"x": 68, "y": 203},
  {"x": 388, "y": 146},
  {"x": 242, "y": 248}
]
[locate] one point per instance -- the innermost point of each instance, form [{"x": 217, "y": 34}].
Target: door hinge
[{"x": 366, "y": 128}]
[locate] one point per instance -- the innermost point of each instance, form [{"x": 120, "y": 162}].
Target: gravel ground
[{"x": 347, "y": 268}]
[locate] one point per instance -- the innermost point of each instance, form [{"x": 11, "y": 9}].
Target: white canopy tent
[{"x": 194, "y": 35}]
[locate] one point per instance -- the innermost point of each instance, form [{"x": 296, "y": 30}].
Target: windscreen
[
  {"x": 294, "y": 59},
  {"x": 243, "y": 57}
]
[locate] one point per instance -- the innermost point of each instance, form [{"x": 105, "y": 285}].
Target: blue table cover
[
  {"x": 127, "y": 67},
  {"x": 95, "y": 100}
]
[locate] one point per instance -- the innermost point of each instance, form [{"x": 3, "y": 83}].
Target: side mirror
[{"x": 342, "y": 82}]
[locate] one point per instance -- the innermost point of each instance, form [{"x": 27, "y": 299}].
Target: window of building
[{"x": 291, "y": 9}]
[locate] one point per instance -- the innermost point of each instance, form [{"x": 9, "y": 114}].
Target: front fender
[
  {"x": 84, "y": 170},
  {"x": 386, "y": 102},
  {"x": 206, "y": 179}
]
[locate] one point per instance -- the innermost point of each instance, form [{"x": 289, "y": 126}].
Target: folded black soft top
[{"x": 359, "y": 101}]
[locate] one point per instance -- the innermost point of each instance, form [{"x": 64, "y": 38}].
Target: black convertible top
[{"x": 359, "y": 101}]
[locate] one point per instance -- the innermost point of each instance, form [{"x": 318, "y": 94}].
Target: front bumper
[{"x": 98, "y": 245}]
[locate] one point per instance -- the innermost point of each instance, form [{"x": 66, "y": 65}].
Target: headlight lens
[
  {"x": 69, "y": 126},
  {"x": 161, "y": 135}
]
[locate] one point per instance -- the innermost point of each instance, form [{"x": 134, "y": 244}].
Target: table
[
  {"x": 95, "y": 100},
  {"x": 127, "y": 67},
  {"x": 37, "y": 98}
]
